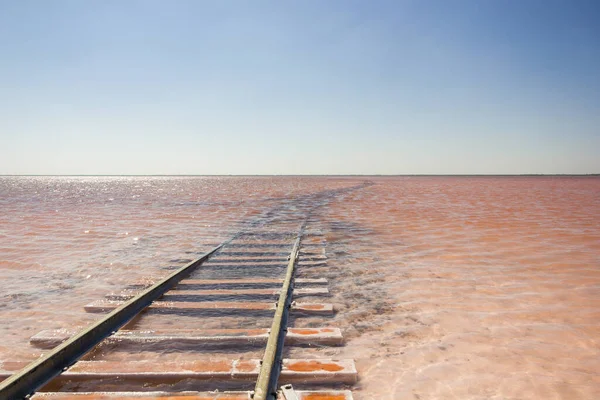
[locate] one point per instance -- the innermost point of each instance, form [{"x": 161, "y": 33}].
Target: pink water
[{"x": 447, "y": 287}]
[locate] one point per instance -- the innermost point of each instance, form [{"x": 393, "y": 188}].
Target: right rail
[{"x": 266, "y": 384}]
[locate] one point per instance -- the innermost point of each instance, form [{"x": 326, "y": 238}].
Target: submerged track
[{"x": 247, "y": 267}]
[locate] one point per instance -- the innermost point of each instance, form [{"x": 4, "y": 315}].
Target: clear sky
[{"x": 299, "y": 87}]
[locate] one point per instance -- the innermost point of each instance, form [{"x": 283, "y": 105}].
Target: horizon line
[{"x": 290, "y": 175}]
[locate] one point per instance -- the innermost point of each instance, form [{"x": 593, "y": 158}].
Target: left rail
[{"x": 39, "y": 372}]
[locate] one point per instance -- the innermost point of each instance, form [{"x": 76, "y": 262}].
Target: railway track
[{"x": 230, "y": 318}]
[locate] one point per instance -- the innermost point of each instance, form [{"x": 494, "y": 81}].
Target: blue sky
[{"x": 299, "y": 87}]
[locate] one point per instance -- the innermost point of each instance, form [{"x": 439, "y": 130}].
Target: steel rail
[
  {"x": 266, "y": 384},
  {"x": 33, "y": 376}
]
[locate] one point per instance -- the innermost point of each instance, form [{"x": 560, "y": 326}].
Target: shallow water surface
[{"x": 445, "y": 287}]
